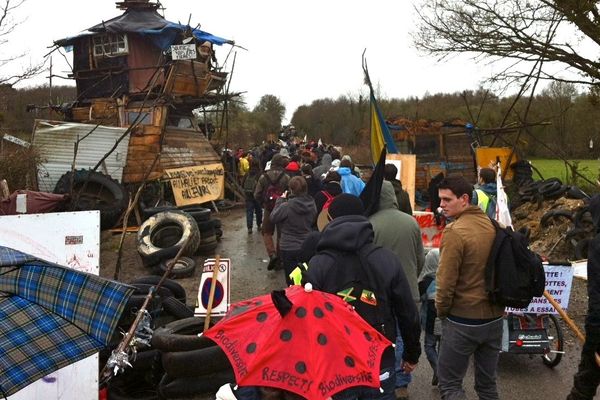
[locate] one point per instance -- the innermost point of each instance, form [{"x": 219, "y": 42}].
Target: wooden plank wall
[{"x": 188, "y": 78}]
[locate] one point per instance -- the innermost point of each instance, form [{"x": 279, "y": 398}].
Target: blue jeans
[
  {"x": 387, "y": 378},
  {"x": 402, "y": 378},
  {"x": 431, "y": 345},
  {"x": 252, "y": 207}
]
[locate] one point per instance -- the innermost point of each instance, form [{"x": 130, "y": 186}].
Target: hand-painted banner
[
  {"x": 197, "y": 184},
  {"x": 558, "y": 284}
]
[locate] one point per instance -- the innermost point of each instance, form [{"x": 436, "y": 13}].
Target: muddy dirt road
[{"x": 520, "y": 377}]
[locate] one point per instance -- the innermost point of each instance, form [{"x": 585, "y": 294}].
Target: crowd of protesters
[{"x": 306, "y": 200}]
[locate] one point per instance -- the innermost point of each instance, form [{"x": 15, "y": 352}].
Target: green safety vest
[
  {"x": 296, "y": 274},
  {"x": 483, "y": 200}
]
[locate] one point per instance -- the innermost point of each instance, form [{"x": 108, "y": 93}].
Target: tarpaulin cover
[
  {"x": 37, "y": 202},
  {"x": 149, "y": 23}
]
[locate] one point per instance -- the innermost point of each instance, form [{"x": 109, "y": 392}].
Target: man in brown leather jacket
[{"x": 471, "y": 324}]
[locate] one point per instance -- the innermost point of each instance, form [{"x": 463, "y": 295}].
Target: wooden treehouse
[{"x": 140, "y": 72}]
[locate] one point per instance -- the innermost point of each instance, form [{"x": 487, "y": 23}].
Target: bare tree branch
[
  {"x": 515, "y": 30},
  {"x": 7, "y": 26}
]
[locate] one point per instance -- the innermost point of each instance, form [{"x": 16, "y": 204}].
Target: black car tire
[
  {"x": 175, "y": 288},
  {"x": 555, "y": 214},
  {"x": 101, "y": 193},
  {"x": 183, "y": 268},
  {"x": 176, "y": 308},
  {"x": 195, "y": 362},
  {"x": 200, "y": 214},
  {"x": 181, "y": 335},
  {"x": 152, "y": 244}
]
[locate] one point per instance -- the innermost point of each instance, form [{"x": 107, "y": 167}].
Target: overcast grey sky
[{"x": 297, "y": 50}]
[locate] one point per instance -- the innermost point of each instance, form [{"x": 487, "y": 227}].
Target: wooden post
[
  {"x": 211, "y": 296},
  {"x": 565, "y": 317}
]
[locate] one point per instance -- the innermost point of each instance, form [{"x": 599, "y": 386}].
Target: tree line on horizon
[{"x": 563, "y": 119}]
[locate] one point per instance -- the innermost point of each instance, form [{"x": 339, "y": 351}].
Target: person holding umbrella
[{"x": 370, "y": 279}]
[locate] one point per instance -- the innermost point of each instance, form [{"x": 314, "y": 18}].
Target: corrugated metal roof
[{"x": 56, "y": 142}]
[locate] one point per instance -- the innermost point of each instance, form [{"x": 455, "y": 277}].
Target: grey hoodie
[
  {"x": 400, "y": 233},
  {"x": 295, "y": 217},
  {"x": 323, "y": 168}
]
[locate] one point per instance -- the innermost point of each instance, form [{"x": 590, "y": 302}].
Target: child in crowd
[{"x": 430, "y": 323}]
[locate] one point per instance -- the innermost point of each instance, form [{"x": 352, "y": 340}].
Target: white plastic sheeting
[{"x": 56, "y": 143}]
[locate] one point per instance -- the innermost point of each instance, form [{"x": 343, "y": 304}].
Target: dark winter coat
[
  {"x": 593, "y": 266},
  {"x": 295, "y": 218},
  {"x": 348, "y": 234},
  {"x": 402, "y": 197}
]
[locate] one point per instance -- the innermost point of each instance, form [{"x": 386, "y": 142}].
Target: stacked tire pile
[
  {"x": 193, "y": 365},
  {"x": 168, "y": 305},
  {"x": 166, "y": 230},
  {"x": 548, "y": 189},
  {"x": 581, "y": 228}
]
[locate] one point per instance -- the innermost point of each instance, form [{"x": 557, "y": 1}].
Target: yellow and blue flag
[{"x": 380, "y": 132}]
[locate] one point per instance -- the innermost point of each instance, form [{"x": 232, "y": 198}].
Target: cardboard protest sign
[
  {"x": 558, "y": 283},
  {"x": 431, "y": 232},
  {"x": 222, "y": 296},
  {"x": 197, "y": 184}
]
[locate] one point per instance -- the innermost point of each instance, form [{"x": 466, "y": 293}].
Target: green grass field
[{"x": 550, "y": 168}]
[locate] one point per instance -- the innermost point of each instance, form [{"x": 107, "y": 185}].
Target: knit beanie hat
[{"x": 345, "y": 204}]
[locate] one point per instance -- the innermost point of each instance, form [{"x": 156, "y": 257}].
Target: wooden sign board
[
  {"x": 407, "y": 166},
  {"x": 197, "y": 184},
  {"x": 183, "y": 52},
  {"x": 488, "y": 155}
]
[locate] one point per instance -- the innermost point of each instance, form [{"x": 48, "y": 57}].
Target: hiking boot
[
  {"x": 434, "y": 380},
  {"x": 249, "y": 231},
  {"x": 401, "y": 393},
  {"x": 259, "y": 229},
  {"x": 273, "y": 262}
]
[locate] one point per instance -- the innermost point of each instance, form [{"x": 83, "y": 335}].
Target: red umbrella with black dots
[{"x": 301, "y": 340}]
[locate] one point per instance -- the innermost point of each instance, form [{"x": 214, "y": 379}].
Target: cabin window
[
  {"x": 144, "y": 119},
  {"x": 110, "y": 45},
  {"x": 180, "y": 122}
]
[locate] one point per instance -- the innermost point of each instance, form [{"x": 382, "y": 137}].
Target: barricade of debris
[{"x": 559, "y": 229}]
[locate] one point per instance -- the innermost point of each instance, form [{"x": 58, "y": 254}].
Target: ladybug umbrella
[{"x": 301, "y": 340}]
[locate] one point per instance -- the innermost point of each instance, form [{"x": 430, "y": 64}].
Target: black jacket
[
  {"x": 346, "y": 235},
  {"x": 593, "y": 268}
]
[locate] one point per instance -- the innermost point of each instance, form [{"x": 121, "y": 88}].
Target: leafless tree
[
  {"x": 561, "y": 34},
  {"x": 8, "y": 24}
]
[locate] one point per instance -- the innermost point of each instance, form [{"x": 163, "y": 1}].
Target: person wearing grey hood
[
  {"x": 294, "y": 214},
  {"x": 400, "y": 233},
  {"x": 323, "y": 168}
]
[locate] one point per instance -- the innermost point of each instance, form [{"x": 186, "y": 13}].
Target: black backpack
[
  {"x": 352, "y": 280},
  {"x": 514, "y": 274}
]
